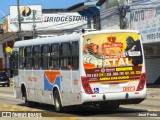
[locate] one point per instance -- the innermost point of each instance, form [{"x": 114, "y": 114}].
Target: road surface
[{"x": 146, "y": 109}]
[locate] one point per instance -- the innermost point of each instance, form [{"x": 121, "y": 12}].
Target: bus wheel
[
  {"x": 57, "y": 102},
  {"x": 25, "y": 99},
  {"x": 27, "y": 103}
]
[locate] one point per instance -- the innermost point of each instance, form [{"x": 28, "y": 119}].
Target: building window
[
  {"x": 45, "y": 55},
  {"x": 54, "y": 59},
  {"x": 36, "y": 57}
]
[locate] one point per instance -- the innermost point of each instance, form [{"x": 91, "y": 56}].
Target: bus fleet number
[{"x": 129, "y": 88}]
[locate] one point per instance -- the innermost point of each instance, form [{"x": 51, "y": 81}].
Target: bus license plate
[{"x": 129, "y": 88}]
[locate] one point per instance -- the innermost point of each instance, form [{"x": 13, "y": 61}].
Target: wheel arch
[
  {"x": 55, "y": 87},
  {"x": 23, "y": 90}
]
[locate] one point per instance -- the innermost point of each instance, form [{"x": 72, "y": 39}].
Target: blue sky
[{"x": 5, "y": 4}]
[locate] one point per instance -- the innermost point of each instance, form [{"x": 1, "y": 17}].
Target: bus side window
[
  {"x": 36, "y": 57},
  {"x": 75, "y": 55},
  {"x": 45, "y": 55},
  {"x": 28, "y": 57},
  {"x": 14, "y": 60},
  {"x": 65, "y": 55},
  {"x": 14, "y": 63},
  {"x": 54, "y": 59},
  {"x": 21, "y": 58}
]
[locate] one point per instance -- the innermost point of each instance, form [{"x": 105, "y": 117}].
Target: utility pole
[
  {"x": 123, "y": 9},
  {"x": 122, "y": 12},
  {"x": 34, "y": 24},
  {"x": 19, "y": 20}
]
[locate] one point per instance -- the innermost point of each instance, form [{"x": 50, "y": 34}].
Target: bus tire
[
  {"x": 27, "y": 103},
  {"x": 57, "y": 102},
  {"x": 24, "y": 95}
]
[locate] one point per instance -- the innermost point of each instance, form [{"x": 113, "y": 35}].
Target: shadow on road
[
  {"x": 153, "y": 86},
  {"x": 88, "y": 111}
]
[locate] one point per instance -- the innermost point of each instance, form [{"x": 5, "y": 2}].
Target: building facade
[
  {"x": 142, "y": 15},
  {"x": 37, "y": 22}
]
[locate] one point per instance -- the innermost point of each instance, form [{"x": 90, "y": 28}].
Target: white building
[
  {"x": 143, "y": 15},
  {"x": 39, "y": 22}
]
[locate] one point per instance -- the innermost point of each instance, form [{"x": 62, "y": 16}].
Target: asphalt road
[{"x": 146, "y": 109}]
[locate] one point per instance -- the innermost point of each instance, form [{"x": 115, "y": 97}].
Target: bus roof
[
  {"x": 111, "y": 31},
  {"x": 65, "y": 38},
  {"x": 48, "y": 40}
]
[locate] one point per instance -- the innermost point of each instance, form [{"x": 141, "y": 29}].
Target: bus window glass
[
  {"x": 75, "y": 55},
  {"x": 65, "y": 49},
  {"x": 75, "y": 62},
  {"x": 54, "y": 60},
  {"x": 64, "y": 62},
  {"x": 28, "y": 57},
  {"x": 14, "y": 60},
  {"x": 65, "y": 55},
  {"x": 21, "y": 58},
  {"x": 75, "y": 49},
  {"x": 45, "y": 57},
  {"x": 36, "y": 57},
  {"x": 55, "y": 50}
]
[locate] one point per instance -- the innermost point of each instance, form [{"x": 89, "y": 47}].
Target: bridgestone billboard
[
  {"x": 55, "y": 21},
  {"x": 62, "y": 21}
]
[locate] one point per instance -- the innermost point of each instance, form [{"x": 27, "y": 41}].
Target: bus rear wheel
[
  {"x": 57, "y": 102},
  {"x": 27, "y": 103},
  {"x": 24, "y": 94}
]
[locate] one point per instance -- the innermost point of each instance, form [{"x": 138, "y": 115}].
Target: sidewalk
[{"x": 153, "y": 90}]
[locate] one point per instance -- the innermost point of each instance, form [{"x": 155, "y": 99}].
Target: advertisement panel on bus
[{"x": 113, "y": 58}]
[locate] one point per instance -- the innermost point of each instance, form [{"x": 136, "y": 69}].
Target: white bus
[{"x": 99, "y": 67}]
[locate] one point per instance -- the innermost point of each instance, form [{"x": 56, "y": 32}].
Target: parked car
[{"x": 4, "y": 79}]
